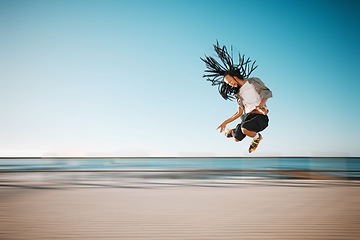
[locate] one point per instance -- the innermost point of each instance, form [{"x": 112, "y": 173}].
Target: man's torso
[{"x": 249, "y": 96}]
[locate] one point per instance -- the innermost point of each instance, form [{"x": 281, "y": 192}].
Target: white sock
[{"x": 256, "y": 136}]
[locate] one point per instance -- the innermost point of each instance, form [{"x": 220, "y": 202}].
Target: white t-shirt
[{"x": 250, "y": 97}]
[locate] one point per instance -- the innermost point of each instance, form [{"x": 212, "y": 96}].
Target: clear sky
[{"x": 124, "y": 78}]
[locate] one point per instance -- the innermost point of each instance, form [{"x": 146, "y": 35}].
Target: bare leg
[{"x": 248, "y": 133}]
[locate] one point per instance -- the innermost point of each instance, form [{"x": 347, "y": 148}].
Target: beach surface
[{"x": 70, "y": 208}]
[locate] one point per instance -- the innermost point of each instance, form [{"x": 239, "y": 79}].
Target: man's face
[{"x": 231, "y": 81}]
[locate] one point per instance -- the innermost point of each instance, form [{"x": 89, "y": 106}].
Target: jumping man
[{"x": 250, "y": 93}]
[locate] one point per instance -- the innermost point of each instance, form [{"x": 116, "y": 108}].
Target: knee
[
  {"x": 245, "y": 131},
  {"x": 239, "y": 135},
  {"x": 248, "y": 133}
]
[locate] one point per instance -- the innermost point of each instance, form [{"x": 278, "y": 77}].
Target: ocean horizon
[{"x": 348, "y": 167}]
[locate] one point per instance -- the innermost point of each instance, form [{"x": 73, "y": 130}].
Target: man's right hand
[
  {"x": 222, "y": 127},
  {"x": 235, "y": 116}
]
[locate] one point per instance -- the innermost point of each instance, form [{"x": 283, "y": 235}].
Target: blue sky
[{"x": 124, "y": 78}]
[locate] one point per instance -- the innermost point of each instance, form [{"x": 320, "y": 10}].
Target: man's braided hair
[{"x": 216, "y": 72}]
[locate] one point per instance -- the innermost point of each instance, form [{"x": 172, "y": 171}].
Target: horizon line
[{"x": 162, "y": 157}]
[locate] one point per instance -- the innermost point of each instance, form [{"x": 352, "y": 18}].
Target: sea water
[{"x": 346, "y": 166}]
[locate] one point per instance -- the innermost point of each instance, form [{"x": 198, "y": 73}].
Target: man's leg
[
  {"x": 254, "y": 124},
  {"x": 236, "y": 133},
  {"x": 251, "y": 128},
  {"x": 248, "y": 133}
]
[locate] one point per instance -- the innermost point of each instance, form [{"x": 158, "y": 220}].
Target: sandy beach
[{"x": 60, "y": 208}]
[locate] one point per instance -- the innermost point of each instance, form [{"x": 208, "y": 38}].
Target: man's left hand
[{"x": 261, "y": 109}]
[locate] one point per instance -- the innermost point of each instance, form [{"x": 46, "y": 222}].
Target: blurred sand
[{"x": 179, "y": 209}]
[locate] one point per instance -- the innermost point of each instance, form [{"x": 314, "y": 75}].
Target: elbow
[{"x": 266, "y": 94}]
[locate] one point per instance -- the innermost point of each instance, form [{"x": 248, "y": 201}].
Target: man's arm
[
  {"x": 232, "y": 118},
  {"x": 261, "y": 107},
  {"x": 263, "y": 102}
]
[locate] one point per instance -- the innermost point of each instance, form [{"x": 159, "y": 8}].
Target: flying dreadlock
[{"x": 216, "y": 72}]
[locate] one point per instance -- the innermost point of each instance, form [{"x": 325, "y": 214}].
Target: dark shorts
[{"x": 250, "y": 121}]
